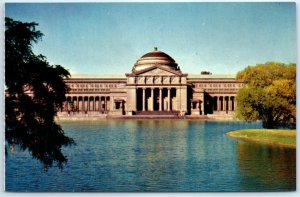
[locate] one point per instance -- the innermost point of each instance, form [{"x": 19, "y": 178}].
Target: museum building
[{"x": 155, "y": 86}]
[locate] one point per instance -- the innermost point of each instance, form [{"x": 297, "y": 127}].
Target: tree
[
  {"x": 34, "y": 92},
  {"x": 269, "y": 94}
]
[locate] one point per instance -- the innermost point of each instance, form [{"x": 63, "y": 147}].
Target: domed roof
[{"x": 157, "y": 58}]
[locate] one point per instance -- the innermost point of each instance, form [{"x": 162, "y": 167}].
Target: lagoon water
[{"x": 156, "y": 155}]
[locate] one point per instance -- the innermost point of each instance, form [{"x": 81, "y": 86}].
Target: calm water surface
[{"x": 157, "y": 155}]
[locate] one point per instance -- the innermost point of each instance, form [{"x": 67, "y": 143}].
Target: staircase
[{"x": 157, "y": 113}]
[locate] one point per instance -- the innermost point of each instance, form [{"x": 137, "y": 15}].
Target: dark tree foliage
[{"x": 34, "y": 92}]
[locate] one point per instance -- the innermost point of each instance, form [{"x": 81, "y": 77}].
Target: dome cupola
[{"x": 155, "y": 58}]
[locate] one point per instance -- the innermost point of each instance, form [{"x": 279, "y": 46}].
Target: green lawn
[{"x": 286, "y": 138}]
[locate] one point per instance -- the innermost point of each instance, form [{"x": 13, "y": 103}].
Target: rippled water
[{"x": 157, "y": 155}]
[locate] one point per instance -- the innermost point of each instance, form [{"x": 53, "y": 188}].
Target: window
[{"x": 118, "y": 105}]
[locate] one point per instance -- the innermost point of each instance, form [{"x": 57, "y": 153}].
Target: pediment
[{"x": 157, "y": 71}]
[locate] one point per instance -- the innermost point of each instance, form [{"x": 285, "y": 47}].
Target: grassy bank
[{"x": 286, "y": 138}]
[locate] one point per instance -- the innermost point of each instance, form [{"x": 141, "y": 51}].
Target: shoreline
[
  {"x": 143, "y": 117},
  {"x": 269, "y": 137}
]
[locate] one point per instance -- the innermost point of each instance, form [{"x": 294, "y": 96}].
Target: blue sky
[{"x": 108, "y": 38}]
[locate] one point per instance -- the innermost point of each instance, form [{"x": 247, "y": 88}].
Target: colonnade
[
  {"x": 148, "y": 99},
  {"x": 87, "y": 103},
  {"x": 225, "y": 103},
  {"x": 156, "y": 99}
]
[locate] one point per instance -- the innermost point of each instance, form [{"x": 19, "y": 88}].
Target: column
[
  {"x": 64, "y": 108},
  {"x": 176, "y": 100},
  {"x": 112, "y": 103},
  {"x": 219, "y": 103},
  {"x": 77, "y": 103},
  {"x": 67, "y": 105},
  {"x": 169, "y": 103},
  {"x": 229, "y": 104},
  {"x": 160, "y": 99},
  {"x": 234, "y": 103},
  {"x": 224, "y": 103},
  {"x": 82, "y": 104},
  {"x": 105, "y": 104},
  {"x": 202, "y": 107},
  {"x": 94, "y": 102},
  {"x": 90, "y": 103},
  {"x": 74, "y": 103},
  {"x": 94, "y": 106},
  {"x": 71, "y": 103},
  {"x": 143, "y": 101},
  {"x": 100, "y": 103},
  {"x": 152, "y": 94}
]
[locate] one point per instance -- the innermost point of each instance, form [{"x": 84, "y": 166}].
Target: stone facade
[{"x": 156, "y": 86}]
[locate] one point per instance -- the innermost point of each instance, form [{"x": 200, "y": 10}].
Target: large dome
[{"x": 157, "y": 58}]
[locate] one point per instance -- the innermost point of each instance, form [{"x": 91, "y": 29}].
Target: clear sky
[{"x": 108, "y": 38}]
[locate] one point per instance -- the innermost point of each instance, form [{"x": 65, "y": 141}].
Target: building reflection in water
[
  {"x": 158, "y": 144},
  {"x": 266, "y": 168}
]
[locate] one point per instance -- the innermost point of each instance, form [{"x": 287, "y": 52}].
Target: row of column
[
  {"x": 160, "y": 100},
  {"x": 225, "y": 103},
  {"x": 102, "y": 103},
  {"x": 75, "y": 103}
]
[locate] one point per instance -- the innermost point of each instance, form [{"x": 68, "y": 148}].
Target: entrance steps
[{"x": 157, "y": 113}]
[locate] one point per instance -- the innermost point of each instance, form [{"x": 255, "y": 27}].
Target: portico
[
  {"x": 157, "y": 99},
  {"x": 157, "y": 84}
]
